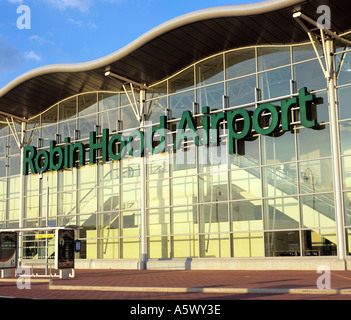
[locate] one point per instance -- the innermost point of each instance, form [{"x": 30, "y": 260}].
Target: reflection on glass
[
  {"x": 319, "y": 242},
  {"x": 316, "y": 176},
  {"x": 156, "y": 108},
  {"x": 211, "y": 96},
  {"x": 184, "y": 220},
  {"x": 108, "y": 120},
  {"x": 281, "y": 213},
  {"x": 345, "y": 68},
  {"x": 108, "y": 101},
  {"x": 247, "y": 153},
  {"x": 185, "y": 246},
  {"x": 181, "y": 102},
  {"x": 279, "y": 180},
  {"x": 305, "y": 52},
  {"x": 313, "y": 143},
  {"x": 248, "y": 244},
  {"x": 241, "y": 91},
  {"x": 345, "y": 137},
  {"x": 49, "y": 116},
  {"x": 276, "y": 149},
  {"x": 128, "y": 117},
  {"x": 344, "y": 97},
  {"x": 209, "y": 71},
  {"x": 159, "y": 247},
  {"x": 87, "y": 104},
  {"x": 214, "y": 218},
  {"x": 245, "y": 184},
  {"x": 183, "y": 190},
  {"x": 67, "y": 129},
  {"x": 272, "y": 57},
  {"x": 318, "y": 211},
  {"x": 275, "y": 83},
  {"x": 246, "y": 215},
  {"x": 214, "y": 246},
  {"x": 240, "y": 63},
  {"x": 158, "y": 193},
  {"x": 68, "y": 109},
  {"x": 86, "y": 125},
  {"x": 182, "y": 81},
  {"x": 310, "y": 75},
  {"x": 282, "y": 244},
  {"x": 346, "y": 172},
  {"x": 158, "y": 222}
]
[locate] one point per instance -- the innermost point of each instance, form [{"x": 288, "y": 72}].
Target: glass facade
[{"x": 273, "y": 198}]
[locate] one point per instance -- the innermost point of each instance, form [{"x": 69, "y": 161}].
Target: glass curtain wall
[{"x": 273, "y": 197}]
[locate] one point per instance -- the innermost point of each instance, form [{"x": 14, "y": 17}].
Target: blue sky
[{"x": 69, "y": 31}]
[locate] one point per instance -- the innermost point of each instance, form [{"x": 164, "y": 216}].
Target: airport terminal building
[{"x": 218, "y": 140}]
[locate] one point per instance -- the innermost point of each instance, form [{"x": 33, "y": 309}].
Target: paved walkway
[{"x": 181, "y": 286}]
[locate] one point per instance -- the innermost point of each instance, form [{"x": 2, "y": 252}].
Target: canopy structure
[{"x": 169, "y": 48}]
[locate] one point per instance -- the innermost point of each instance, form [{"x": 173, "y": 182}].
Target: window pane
[
  {"x": 184, "y": 190},
  {"x": 241, "y": 91},
  {"x": 318, "y": 211},
  {"x": 346, "y": 172},
  {"x": 245, "y": 184},
  {"x": 305, "y": 52},
  {"x": 247, "y": 154},
  {"x": 246, "y": 215},
  {"x": 319, "y": 242},
  {"x": 281, "y": 213},
  {"x": 214, "y": 218},
  {"x": 211, "y": 96},
  {"x": 182, "y": 81},
  {"x": 240, "y": 63},
  {"x": 184, "y": 220},
  {"x": 309, "y": 74},
  {"x": 279, "y": 180},
  {"x": 159, "y": 247},
  {"x": 158, "y": 193},
  {"x": 214, "y": 245},
  {"x": 181, "y": 102},
  {"x": 313, "y": 143},
  {"x": 87, "y": 104},
  {"x": 209, "y": 71},
  {"x": 278, "y": 149},
  {"x": 345, "y": 69},
  {"x": 282, "y": 243},
  {"x": 316, "y": 176},
  {"x": 275, "y": 83},
  {"x": 108, "y": 101},
  {"x": 272, "y": 57},
  {"x": 158, "y": 222},
  {"x": 68, "y": 109},
  {"x": 248, "y": 244},
  {"x": 344, "y": 96}
]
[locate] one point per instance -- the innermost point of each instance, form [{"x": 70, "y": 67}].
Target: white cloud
[
  {"x": 41, "y": 40},
  {"x": 31, "y": 55},
  {"x": 82, "y": 24},
  {"x": 81, "y": 5}
]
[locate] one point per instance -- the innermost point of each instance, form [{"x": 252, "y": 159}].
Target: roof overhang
[{"x": 169, "y": 48}]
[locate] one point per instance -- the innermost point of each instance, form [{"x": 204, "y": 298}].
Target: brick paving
[{"x": 180, "y": 279}]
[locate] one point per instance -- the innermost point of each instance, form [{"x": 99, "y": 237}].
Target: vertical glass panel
[
  {"x": 276, "y": 149},
  {"x": 86, "y": 125},
  {"x": 68, "y": 109},
  {"x": 182, "y": 81},
  {"x": 181, "y": 102},
  {"x": 275, "y": 83},
  {"x": 86, "y": 177},
  {"x": 130, "y": 170},
  {"x": 128, "y": 117},
  {"x": 209, "y": 71},
  {"x": 130, "y": 196},
  {"x": 3, "y": 146},
  {"x": 313, "y": 143},
  {"x": 214, "y": 245},
  {"x": 344, "y": 97},
  {"x": 347, "y": 208},
  {"x": 4, "y": 129},
  {"x": 343, "y": 61},
  {"x": 184, "y": 163},
  {"x": 316, "y": 176},
  {"x": 345, "y": 137},
  {"x": 318, "y": 211},
  {"x": 157, "y": 166},
  {"x": 108, "y": 101},
  {"x": 246, "y": 215},
  {"x": 50, "y": 116},
  {"x": 319, "y": 242},
  {"x": 12, "y": 186},
  {"x": 214, "y": 218},
  {"x": 305, "y": 52},
  {"x": 272, "y": 57},
  {"x": 157, "y": 91},
  {"x": 245, "y": 184},
  {"x": 66, "y": 203},
  {"x": 279, "y": 180},
  {"x": 108, "y": 120},
  {"x": 213, "y": 187},
  {"x": 281, "y": 213},
  {"x": 14, "y": 165},
  {"x": 32, "y": 207},
  {"x": 158, "y": 193},
  {"x": 322, "y": 110},
  {"x": 47, "y": 134},
  {"x": 67, "y": 129},
  {"x": 87, "y": 104},
  {"x": 131, "y": 223},
  {"x": 186, "y": 246},
  {"x": 310, "y": 75},
  {"x": 159, "y": 247},
  {"x": 240, "y": 63},
  {"x": 109, "y": 225},
  {"x": 109, "y": 248},
  {"x": 247, "y": 153},
  {"x": 348, "y": 241},
  {"x": 156, "y": 108},
  {"x": 108, "y": 198},
  {"x": 87, "y": 201},
  {"x": 213, "y": 158},
  {"x": 241, "y": 91},
  {"x": 282, "y": 244},
  {"x": 211, "y": 96},
  {"x": 184, "y": 190},
  {"x": 158, "y": 222},
  {"x": 109, "y": 174},
  {"x": 248, "y": 244},
  {"x": 184, "y": 220}
]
